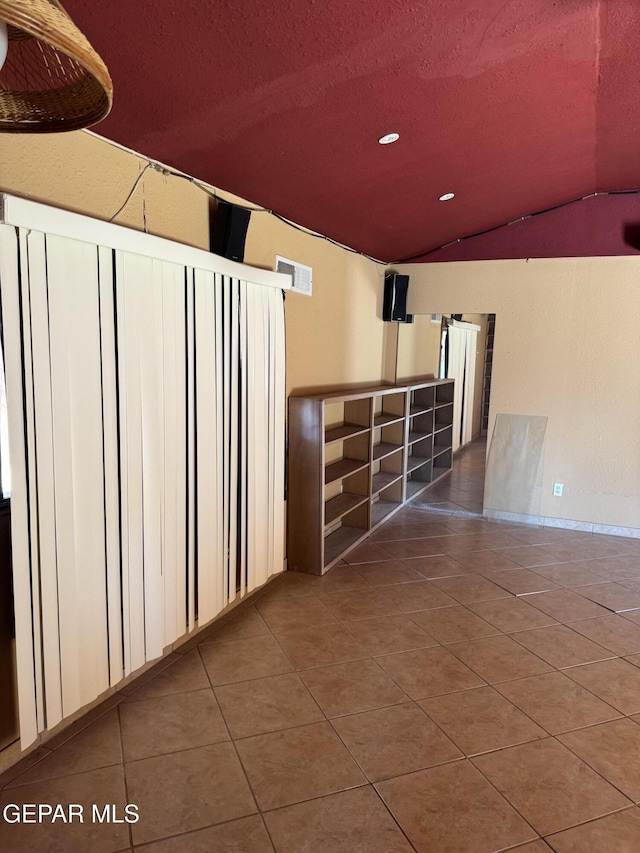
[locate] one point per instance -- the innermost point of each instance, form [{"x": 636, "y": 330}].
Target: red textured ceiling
[{"x": 514, "y": 106}]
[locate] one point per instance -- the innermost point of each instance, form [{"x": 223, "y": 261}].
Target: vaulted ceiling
[{"x": 514, "y": 106}]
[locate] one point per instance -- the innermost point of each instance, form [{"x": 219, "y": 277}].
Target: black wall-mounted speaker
[
  {"x": 228, "y": 230},
  {"x": 394, "y": 307}
]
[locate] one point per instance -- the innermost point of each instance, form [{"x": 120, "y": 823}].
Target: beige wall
[
  {"x": 566, "y": 347},
  {"x": 334, "y": 338}
]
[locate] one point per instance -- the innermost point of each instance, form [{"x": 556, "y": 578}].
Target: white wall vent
[
  {"x": 301, "y": 275},
  {"x": 436, "y": 318}
]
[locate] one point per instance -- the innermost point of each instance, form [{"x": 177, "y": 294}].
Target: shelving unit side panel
[{"x": 305, "y": 496}]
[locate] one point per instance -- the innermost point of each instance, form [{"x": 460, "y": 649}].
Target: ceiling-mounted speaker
[
  {"x": 394, "y": 306},
  {"x": 228, "y": 230}
]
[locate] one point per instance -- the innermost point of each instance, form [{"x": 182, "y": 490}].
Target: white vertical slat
[
  {"x": 243, "y": 444},
  {"x": 25, "y": 589},
  {"x": 121, "y": 314},
  {"x": 257, "y": 439},
  {"x": 278, "y": 402},
  {"x": 76, "y": 398},
  {"x": 208, "y": 439},
  {"x": 221, "y": 482},
  {"x": 149, "y": 283},
  {"x": 228, "y": 594},
  {"x": 191, "y": 451},
  {"x": 111, "y": 464},
  {"x": 233, "y": 420},
  {"x": 174, "y": 487},
  {"x": 44, "y": 526},
  {"x": 131, "y": 314}
]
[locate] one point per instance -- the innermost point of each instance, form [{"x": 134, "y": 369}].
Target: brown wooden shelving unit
[{"x": 355, "y": 458}]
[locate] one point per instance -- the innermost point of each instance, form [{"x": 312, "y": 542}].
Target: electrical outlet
[{"x": 557, "y": 490}]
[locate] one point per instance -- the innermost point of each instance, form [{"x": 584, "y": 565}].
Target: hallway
[{"x": 457, "y": 686}]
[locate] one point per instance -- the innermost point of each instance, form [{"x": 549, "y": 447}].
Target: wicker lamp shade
[{"x": 52, "y": 79}]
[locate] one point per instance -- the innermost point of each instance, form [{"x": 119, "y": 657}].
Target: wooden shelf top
[
  {"x": 383, "y": 419},
  {"x": 383, "y": 509},
  {"x": 340, "y": 541},
  {"x": 382, "y": 480},
  {"x": 418, "y": 436},
  {"x": 415, "y": 462},
  {"x": 339, "y": 433},
  {"x": 342, "y": 468},
  {"x": 385, "y": 448},
  {"x": 355, "y": 394},
  {"x": 341, "y": 505}
]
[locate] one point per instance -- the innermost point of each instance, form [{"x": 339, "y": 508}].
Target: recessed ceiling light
[
  {"x": 447, "y": 197},
  {"x": 388, "y": 138}
]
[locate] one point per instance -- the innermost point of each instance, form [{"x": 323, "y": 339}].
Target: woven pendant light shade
[{"x": 52, "y": 79}]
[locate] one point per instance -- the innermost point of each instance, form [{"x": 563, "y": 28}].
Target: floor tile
[
  {"x": 453, "y": 624},
  {"x": 616, "y": 568},
  {"x": 359, "y": 604},
  {"x": 247, "y": 835},
  {"x": 341, "y": 579},
  {"x": 350, "y": 821},
  {"x": 415, "y": 530},
  {"x": 267, "y": 705},
  {"x": 429, "y": 672},
  {"x": 368, "y": 552},
  {"x": 189, "y": 790},
  {"x": 511, "y": 614},
  {"x": 170, "y": 723},
  {"x": 617, "y": 682},
  {"x": 320, "y": 645},
  {"x": 529, "y": 556},
  {"x": 485, "y": 561},
  {"x": 570, "y": 574},
  {"x": 439, "y": 566},
  {"x": 613, "y": 750},
  {"x": 351, "y": 687},
  {"x": 489, "y": 538},
  {"x": 298, "y": 764},
  {"x": 618, "y": 635},
  {"x": 471, "y": 588},
  {"x": 561, "y": 646},
  {"x": 249, "y": 623},
  {"x": 498, "y": 659},
  {"x": 291, "y": 585},
  {"x": 613, "y": 596},
  {"x": 617, "y": 832},
  {"x": 481, "y": 720},
  {"x": 549, "y": 786},
  {"x": 566, "y": 605},
  {"x": 538, "y": 846},
  {"x": 388, "y": 634},
  {"x": 182, "y": 676},
  {"x": 557, "y": 703},
  {"x": 288, "y": 613},
  {"x": 521, "y": 581},
  {"x": 96, "y": 746},
  {"x": 408, "y": 598},
  {"x": 387, "y": 573},
  {"x": 407, "y": 548},
  {"x": 242, "y": 660},
  {"x": 102, "y": 786},
  {"x": 453, "y": 809},
  {"x": 397, "y": 740}
]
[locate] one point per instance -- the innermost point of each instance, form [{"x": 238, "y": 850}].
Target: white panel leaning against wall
[{"x": 146, "y": 405}]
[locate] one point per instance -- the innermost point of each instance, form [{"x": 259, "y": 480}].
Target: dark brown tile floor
[{"x": 456, "y": 686}]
